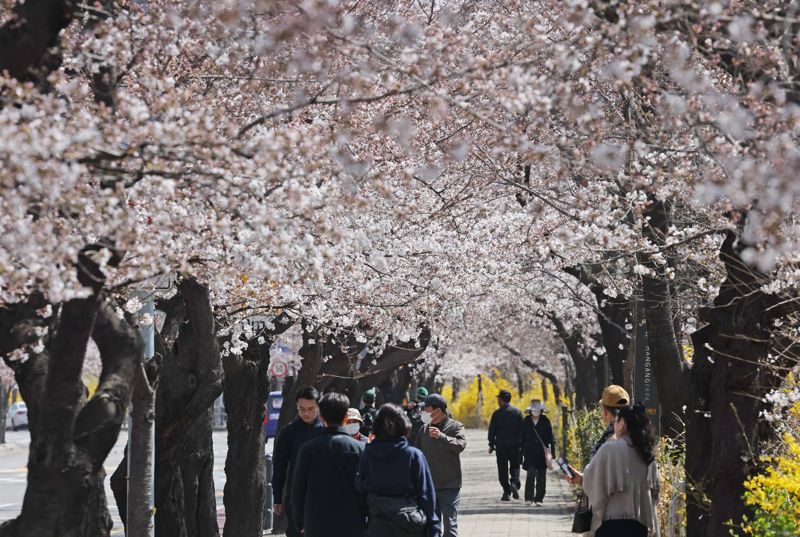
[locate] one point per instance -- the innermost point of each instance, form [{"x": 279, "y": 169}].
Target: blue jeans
[{"x": 447, "y": 501}]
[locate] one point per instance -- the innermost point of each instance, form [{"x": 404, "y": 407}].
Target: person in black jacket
[
  {"x": 368, "y": 412},
  {"x": 537, "y": 434},
  {"x": 324, "y": 496},
  {"x": 301, "y": 430},
  {"x": 505, "y": 436}
]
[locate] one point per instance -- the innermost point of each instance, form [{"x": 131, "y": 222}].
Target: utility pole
[{"x": 141, "y": 434}]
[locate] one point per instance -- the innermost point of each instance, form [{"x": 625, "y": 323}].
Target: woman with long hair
[
  {"x": 401, "y": 500},
  {"x": 621, "y": 481}
]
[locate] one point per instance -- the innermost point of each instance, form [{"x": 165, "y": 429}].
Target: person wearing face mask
[
  {"x": 537, "y": 437},
  {"x": 442, "y": 440},
  {"x": 353, "y": 425}
]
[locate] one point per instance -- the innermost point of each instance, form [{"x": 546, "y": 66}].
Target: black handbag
[
  {"x": 402, "y": 511},
  {"x": 582, "y": 521}
]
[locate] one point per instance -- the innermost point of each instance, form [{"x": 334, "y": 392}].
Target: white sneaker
[
  {"x": 528, "y": 503},
  {"x": 538, "y": 504}
]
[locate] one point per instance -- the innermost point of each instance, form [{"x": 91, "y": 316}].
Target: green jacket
[{"x": 444, "y": 454}]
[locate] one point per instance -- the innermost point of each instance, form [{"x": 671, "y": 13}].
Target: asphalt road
[{"x": 14, "y": 473}]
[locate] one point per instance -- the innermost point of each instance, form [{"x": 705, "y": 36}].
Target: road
[{"x": 14, "y": 473}]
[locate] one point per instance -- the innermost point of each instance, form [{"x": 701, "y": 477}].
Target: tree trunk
[
  {"x": 190, "y": 381},
  {"x": 613, "y": 316},
  {"x": 69, "y": 442},
  {"x": 395, "y": 388},
  {"x": 731, "y": 375},
  {"x": 247, "y": 386},
  {"x": 670, "y": 371}
]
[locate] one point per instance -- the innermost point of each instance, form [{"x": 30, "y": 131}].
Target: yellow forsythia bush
[
  {"x": 475, "y": 412},
  {"x": 774, "y": 495}
]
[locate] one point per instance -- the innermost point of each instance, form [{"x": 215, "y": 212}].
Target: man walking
[
  {"x": 324, "y": 496},
  {"x": 368, "y": 412},
  {"x": 441, "y": 439},
  {"x": 614, "y": 397},
  {"x": 505, "y": 436},
  {"x": 298, "y": 432}
]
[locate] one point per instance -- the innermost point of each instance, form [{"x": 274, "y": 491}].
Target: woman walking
[
  {"x": 537, "y": 438},
  {"x": 621, "y": 481},
  {"x": 397, "y": 481}
]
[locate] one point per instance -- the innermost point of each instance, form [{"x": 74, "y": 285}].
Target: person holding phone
[{"x": 621, "y": 480}]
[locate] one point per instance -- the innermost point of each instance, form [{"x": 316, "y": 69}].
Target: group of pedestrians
[
  {"x": 401, "y": 476},
  {"x": 339, "y": 472},
  {"x": 521, "y": 441}
]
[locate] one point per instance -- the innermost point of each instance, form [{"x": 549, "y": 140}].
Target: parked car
[
  {"x": 272, "y": 413},
  {"x": 17, "y": 416}
]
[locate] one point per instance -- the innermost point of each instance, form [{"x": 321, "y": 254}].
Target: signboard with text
[{"x": 644, "y": 381}]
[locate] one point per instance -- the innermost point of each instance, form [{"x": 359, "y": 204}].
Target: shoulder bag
[
  {"x": 582, "y": 521},
  {"x": 548, "y": 453}
]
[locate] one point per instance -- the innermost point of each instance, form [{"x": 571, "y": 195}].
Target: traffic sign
[{"x": 278, "y": 368}]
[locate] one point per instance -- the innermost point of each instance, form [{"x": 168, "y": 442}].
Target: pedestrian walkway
[{"x": 482, "y": 514}]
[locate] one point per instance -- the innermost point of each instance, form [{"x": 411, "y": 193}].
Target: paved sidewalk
[{"x": 483, "y": 514}]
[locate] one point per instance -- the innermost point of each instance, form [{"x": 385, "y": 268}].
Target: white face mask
[
  {"x": 536, "y": 413},
  {"x": 352, "y": 428},
  {"x": 426, "y": 417}
]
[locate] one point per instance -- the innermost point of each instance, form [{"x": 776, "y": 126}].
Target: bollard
[{"x": 267, "y": 524}]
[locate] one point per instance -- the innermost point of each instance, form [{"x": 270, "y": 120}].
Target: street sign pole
[{"x": 644, "y": 381}]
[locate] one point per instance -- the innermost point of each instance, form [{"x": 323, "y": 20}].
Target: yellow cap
[{"x": 615, "y": 396}]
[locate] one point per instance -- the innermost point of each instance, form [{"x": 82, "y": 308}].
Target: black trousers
[
  {"x": 621, "y": 528},
  {"x": 291, "y": 529},
  {"x": 535, "y": 484},
  {"x": 508, "y": 464}
]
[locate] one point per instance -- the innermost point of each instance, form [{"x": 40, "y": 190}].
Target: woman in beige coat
[{"x": 621, "y": 481}]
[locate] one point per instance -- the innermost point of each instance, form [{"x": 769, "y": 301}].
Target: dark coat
[
  {"x": 532, "y": 448},
  {"x": 394, "y": 468},
  {"x": 285, "y": 452},
  {"x": 505, "y": 428},
  {"x": 415, "y": 417},
  {"x": 368, "y": 414},
  {"x": 325, "y": 500}
]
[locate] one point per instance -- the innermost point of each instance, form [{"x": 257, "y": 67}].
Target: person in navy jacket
[
  {"x": 391, "y": 468},
  {"x": 325, "y": 501},
  {"x": 301, "y": 430}
]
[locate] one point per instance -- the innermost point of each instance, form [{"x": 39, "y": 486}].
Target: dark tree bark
[
  {"x": 545, "y": 374},
  {"x": 671, "y": 372},
  {"x": 245, "y": 393},
  {"x": 190, "y": 380},
  {"x": 730, "y": 376},
  {"x": 28, "y": 39},
  {"x": 70, "y": 437},
  {"x": 613, "y": 314},
  {"x": 395, "y": 388},
  {"x": 588, "y": 372}
]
